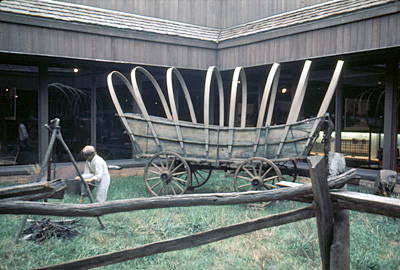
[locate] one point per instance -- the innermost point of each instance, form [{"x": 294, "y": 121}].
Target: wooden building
[{"x": 55, "y": 55}]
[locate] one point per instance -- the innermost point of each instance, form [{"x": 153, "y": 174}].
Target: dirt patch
[{"x": 68, "y": 172}]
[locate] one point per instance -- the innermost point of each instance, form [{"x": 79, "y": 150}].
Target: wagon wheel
[
  {"x": 200, "y": 176},
  {"x": 288, "y": 169},
  {"x": 256, "y": 173},
  {"x": 167, "y": 173}
]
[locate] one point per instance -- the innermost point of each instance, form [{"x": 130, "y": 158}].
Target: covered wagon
[{"x": 182, "y": 154}]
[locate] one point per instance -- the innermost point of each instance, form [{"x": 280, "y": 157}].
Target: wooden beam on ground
[
  {"x": 189, "y": 241},
  {"x": 111, "y": 207},
  {"x": 32, "y": 192},
  {"x": 322, "y": 206}
]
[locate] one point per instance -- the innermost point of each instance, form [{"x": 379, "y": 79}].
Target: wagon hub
[
  {"x": 166, "y": 176},
  {"x": 257, "y": 182}
]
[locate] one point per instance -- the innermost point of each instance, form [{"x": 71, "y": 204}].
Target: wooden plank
[
  {"x": 375, "y": 32},
  {"x": 368, "y": 35},
  {"x": 346, "y": 38},
  {"x": 302, "y": 44},
  {"x": 361, "y": 35},
  {"x": 339, "y": 39},
  {"x": 396, "y": 30},
  {"x": 322, "y": 206},
  {"x": 353, "y": 36},
  {"x": 332, "y": 42},
  {"x": 14, "y": 38},
  {"x": 392, "y": 36},
  {"x": 384, "y": 32},
  {"x": 308, "y": 43}
]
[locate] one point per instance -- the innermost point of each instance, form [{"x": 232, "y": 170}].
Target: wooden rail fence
[{"x": 329, "y": 204}]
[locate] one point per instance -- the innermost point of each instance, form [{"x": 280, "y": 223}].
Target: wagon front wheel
[
  {"x": 167, "y": 173},
  {"x": 256, "y": 173}
]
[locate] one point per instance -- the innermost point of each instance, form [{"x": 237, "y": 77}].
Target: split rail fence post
[
  {"x": 323, "y": 208},
  {"x": 340, "y": 248}
]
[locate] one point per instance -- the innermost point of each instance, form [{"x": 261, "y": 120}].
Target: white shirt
[
  {"x": 97, "y": 166},
  {"x": 23, "y": 133}
]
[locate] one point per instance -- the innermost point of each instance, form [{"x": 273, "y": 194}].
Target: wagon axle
[
  {"x": 257, "y": 182},
  {"x": 166, "y": 176}
]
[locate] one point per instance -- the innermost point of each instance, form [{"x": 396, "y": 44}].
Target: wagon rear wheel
[
  {"x": 200, "y": 176},
  {"x": 167, "y": 173},
  {"x": 288, "y": 169},
  {"x": 256, "y": 173}
]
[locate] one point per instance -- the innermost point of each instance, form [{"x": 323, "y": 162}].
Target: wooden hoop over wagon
[{"x": 182, "y": 154}]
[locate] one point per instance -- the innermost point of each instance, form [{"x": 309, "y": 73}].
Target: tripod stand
[{"x": 55, "y": 128}]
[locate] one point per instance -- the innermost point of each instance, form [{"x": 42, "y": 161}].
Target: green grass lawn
[{"x": 375, "y": 240}]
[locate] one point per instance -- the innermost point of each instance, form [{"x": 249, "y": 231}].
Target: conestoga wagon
[{"x": 182, "y": 154}]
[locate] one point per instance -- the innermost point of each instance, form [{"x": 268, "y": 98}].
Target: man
[
  {"x": 23, "y": 135},
  {"x": 95, "y": 173}
]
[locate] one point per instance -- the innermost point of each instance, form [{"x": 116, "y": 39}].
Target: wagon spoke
[
  {"x": 151, "y": 171},
  {"x": 172, "y": 188},
  {"x": 245, "y": 178},
  {"x": 172, "y": 163},
  {"x": 177, "y": 167},
  {"x": 196, "y": 177},
  {"x": 245, "y": 185},
  {"x": 266, "y": 172},
  {"x": 254, "y": 169},
  {"x": 161, "y": 189},
  {"x": 152, "y": 178},
  {"x": 182, "y": 181},
  {"x": 161, "y": 163},
  {"x": 260, "y": 170},
  {"x": 198, "y": 174},
  {"x": 156, "y": 184},
  {"x": 272, "y": 177},
  {"x": 177, "y": 186},
  {"x": 268, "y": 186},
  {"x": 155, "y": 165},
  {"x": 166, "y": 161},
  {"x": 178, "y": 173},
  {"x": 248, "y": 172}
]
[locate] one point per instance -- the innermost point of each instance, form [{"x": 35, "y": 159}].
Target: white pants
[{"x": 102, "y": 188}]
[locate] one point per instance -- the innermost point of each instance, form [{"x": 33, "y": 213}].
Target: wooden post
[
  {"x": 338, "y": 115},
  {"x": 322, "y": 206},
  {"x": 43, "y": 110},
  {"x": 93, "y": 109},
  {"x": 340, "y": 248},
  {"x": 390, "y": 116}
]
